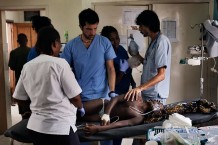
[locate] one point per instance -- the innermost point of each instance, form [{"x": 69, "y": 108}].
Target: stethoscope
[{"x": 150, "y": 48}]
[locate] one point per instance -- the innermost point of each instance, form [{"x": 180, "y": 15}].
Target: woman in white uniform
[{"x": 48, "y": 82}]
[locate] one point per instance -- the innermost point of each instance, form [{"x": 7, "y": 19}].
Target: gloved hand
[
  {"x": 124, "y": 65},
  {"x": 82, "y": 111},
  {"x": 112, "y": 94}
]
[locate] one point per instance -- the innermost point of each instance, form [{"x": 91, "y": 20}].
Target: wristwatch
[{"x": 109, "y": 94}]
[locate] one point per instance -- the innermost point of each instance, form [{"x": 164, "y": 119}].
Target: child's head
[
  {"x": 154, "y": 105},
  {"x": 112, "y": 34},
  {"x": 157, "y": 108}
]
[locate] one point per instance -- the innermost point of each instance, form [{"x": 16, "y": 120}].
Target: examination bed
[
  {"x": 19, "y": 131},
  {"x": 138, "y": 130}
]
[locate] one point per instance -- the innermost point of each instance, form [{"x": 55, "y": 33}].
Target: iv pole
[
  {"x": 202, "y": 65},
  {"x": 201, "y": 59}
]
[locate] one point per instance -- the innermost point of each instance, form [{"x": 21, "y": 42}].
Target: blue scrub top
[
  {"x": 32, "y": 54},
  {"x": 123, "y": 86},
  {"x": 89, "y": 65},
  {"x": 157, "y": 55}
]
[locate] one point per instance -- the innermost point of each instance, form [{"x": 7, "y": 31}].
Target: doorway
[
  {"x": 13, "y": 29},
  {"x": 11, "y": 20},
  {"x": 16, "y": 24}
]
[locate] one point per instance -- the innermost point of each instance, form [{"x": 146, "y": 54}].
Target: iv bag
[{"x": 133, "y": 47}]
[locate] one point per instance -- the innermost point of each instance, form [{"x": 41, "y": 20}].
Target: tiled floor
[{"x": 16, "y": 118}]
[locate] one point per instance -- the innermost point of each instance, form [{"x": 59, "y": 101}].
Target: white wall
[
  {"x": 64, "y": 14},
  {"x": 185, "y": 79},
  {"x": 18, "y": 16}
]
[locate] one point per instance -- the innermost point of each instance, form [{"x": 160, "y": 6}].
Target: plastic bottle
[
  {"x": 66, "y": 36},
  {"x": 133, "y": 48}
]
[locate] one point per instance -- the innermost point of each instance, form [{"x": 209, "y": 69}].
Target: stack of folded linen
[{"x": 177, "y": 120}]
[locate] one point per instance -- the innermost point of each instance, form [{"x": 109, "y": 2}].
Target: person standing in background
[
  {"x": 91, "y": 58},
  {"x": 123, "y": 72},
  {"x": 38, "y": 22},
  {"x": 18, "y": 57},
  {"x": 54, "y": 93}
]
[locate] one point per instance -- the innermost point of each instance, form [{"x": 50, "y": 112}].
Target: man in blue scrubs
[
  {"x": 91, "y": 58},
  {"x": 155, "y": 80}
]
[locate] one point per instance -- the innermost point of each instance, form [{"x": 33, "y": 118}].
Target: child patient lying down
[{"x": 127, "y": 113}]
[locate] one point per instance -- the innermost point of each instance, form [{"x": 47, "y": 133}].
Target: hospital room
[{"x": 109, "y": 72}]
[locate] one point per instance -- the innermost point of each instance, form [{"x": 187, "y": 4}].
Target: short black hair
[
  {"x": 45, "y": 39},
  {"x": 107, "y": 30},
  {"x": 21, "y": 38},
  {"x": 149, "y": 19},
  {"x": 88, "y": 16},
  {"x": 39, "y": 22}
]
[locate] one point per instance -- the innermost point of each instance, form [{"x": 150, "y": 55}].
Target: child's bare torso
[{"x": 123, "y": 110}]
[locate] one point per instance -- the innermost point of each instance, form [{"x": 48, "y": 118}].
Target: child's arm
[
  {"x": 109, "y": 107},
  {"x": 92, "y": 129}
]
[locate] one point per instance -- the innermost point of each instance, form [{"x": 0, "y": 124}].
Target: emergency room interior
[{"x": 194, "y": 62}]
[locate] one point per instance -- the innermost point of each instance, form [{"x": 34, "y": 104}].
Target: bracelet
[
  {"x": 105, "y": 117},
  {"x": 109, "y": 94}
]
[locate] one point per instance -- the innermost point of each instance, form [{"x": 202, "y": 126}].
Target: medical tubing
[
  {"x": 116, "y": 119},
  {"x": 140, "y": 112},
  {"x": 202, "y": 59},
  {"x": 81, "y": 126},
  {"x": 202, "y": 65},
  {"x": 102, "y": 109},
  {"x": 214, "y": 62}
]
